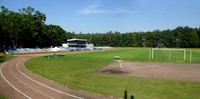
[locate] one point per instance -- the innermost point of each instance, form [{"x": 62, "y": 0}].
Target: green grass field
[{"x": 78, "y": 71}]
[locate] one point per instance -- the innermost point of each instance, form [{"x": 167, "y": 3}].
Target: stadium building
[{"x": 78, "y": 43}]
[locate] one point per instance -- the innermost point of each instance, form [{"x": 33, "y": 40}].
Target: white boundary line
[
  {"x": 11, "y": 84},
  {"x": 31, "y": 87},
  {"x": 46, "y": 85},
  {"x": 120, "y": 63}
]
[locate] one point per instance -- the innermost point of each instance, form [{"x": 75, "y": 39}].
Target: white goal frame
[{"x": 170, "y": 49}]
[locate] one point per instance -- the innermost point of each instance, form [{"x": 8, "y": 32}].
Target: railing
[{"x": 126, "y": 95}]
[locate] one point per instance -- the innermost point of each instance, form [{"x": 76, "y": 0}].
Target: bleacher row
[
  {"x": 33, "y": 50},
  {"x": 41, "y": 50}
]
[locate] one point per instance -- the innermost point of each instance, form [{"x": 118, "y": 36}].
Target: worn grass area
[{"x": 78, "y": 71}]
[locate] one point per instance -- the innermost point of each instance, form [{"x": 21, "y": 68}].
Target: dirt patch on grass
[{"x": 172, "y": 71}]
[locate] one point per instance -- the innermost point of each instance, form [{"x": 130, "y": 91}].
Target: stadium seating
[{"x": 40, "y": 50}]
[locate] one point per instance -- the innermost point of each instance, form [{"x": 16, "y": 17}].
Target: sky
[{"x": 101, "y": 16}]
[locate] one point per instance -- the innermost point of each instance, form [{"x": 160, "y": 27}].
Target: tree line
[
  {"x": 27, "y": 28},
  {"x": 183, "y": 37}
]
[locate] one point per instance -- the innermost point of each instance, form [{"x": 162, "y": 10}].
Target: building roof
[{"x": 76, "y": 40}]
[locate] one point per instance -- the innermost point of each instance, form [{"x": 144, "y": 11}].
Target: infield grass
[{"x": 78, "y": 71}]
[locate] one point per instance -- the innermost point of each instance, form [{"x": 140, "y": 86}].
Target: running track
[{"x": 16, "y": 82}]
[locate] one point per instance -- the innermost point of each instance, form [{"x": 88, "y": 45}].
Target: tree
[
  {"x": 56, "y": 35},
  {"x": 4, "y": 39}
]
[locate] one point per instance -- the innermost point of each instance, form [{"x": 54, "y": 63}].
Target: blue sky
[{"x": 94, "y": 16}]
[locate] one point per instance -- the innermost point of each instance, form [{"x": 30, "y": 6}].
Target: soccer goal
[{"x": 169, "y": 53}]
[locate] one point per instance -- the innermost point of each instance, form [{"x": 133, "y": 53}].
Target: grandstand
[
  {"x": 71, "y": 45},
  {"x": 34, "y": 50},
  {"x": 78, "y": 44}
]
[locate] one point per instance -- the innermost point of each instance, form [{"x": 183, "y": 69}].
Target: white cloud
[
  {"x": 91, "y": 11},
  {"x": 93, "y": 8},
  {"x": 96, "y": 8}
]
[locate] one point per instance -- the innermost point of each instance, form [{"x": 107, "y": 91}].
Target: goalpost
[{"x": 169, "y": 49}]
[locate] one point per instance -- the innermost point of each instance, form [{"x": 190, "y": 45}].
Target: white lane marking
[
  {"x": 48, "y": 86},
  {"x": 11, "y": 84},
  {"x": 30, "y": 86}
]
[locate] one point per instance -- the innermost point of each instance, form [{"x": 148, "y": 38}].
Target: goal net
[{"x": 170, "y": 54}]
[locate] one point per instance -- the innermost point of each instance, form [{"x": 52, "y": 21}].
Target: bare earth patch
[{"x": 172, "y": 71}]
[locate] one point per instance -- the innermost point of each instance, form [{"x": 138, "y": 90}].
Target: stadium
[{"x": 132, "y": 49}]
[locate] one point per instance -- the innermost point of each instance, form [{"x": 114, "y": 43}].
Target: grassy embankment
[
  {"x": 78, "y": 71},
  {"x": 4, "y": 57}
]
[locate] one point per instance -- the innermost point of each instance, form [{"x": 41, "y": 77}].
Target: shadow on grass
[{"x": 110, "y": 71}]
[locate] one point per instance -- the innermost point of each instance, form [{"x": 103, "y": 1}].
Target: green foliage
[
  {"x": 78, "y": 71},
  {"x": 189, "y": 38}
]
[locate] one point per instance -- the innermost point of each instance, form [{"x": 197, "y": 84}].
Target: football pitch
[{"x": 79, "y": 71}]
